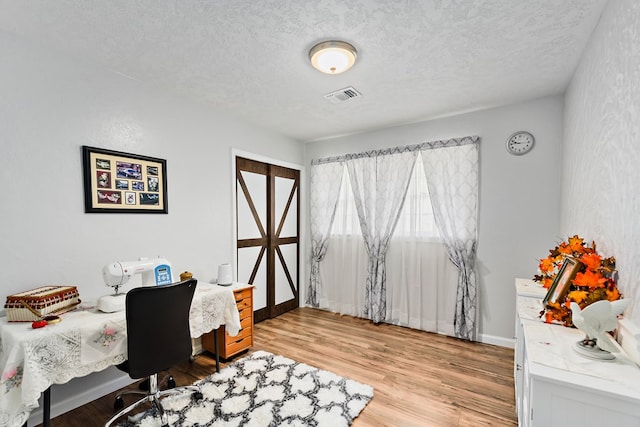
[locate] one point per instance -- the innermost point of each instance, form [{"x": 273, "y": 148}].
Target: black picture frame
[
  {"x": 105, "y": 174},
  {"x": 562, "y": 282}
]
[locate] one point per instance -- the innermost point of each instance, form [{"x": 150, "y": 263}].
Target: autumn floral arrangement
[{"x": 594, "y": 282}]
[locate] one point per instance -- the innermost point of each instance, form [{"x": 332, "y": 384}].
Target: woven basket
[{"x": 46, "y": 300}]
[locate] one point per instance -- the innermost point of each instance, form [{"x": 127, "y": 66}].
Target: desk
[{"x": 85, "y": 341}]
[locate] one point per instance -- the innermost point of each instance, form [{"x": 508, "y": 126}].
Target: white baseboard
[{"x": 494, "y": 340}]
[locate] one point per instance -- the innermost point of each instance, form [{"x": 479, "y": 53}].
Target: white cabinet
[
  {"x": 556, "y": 387},
  {"x": 528, "y": 307}
]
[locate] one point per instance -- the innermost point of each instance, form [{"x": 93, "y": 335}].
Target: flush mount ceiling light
[{"x": 333, "y": 57}]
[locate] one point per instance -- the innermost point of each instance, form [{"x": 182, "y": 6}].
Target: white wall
[
  {"x": 51, "y": 106},
  {"x": 519, "y": 196},
  {"x": 601, "y": 181}
]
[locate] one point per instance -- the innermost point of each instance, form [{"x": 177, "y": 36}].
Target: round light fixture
[{"x": 333, "y": 57}]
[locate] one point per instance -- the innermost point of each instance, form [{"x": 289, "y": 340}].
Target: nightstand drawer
[
  {"x": 238, "y": 346},
  {"x": 243, "y": 293},
  {"x": 245, "y": 303},
  {"x": 245, "y": 313},
  {"x": 243, "y": 333},
  {"x": 245, "y": 324}
]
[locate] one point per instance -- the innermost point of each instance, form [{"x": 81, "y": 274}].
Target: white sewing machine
[{"x": 154, "y": 271}]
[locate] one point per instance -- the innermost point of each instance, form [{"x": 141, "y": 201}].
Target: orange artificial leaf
[
  {"x": 590, "y": 279},
  {"x": 546, "y": 265},
  {"x": 591, "y": 261},
  {"x": 576, "y": 244},
  {"x": 547, "y": 282},
  {"x": 613, "y": 294},
  {"x": 548, "y": 317},
  {"x": 565, "y": 249},
  {"x": 577, "y": 296}
]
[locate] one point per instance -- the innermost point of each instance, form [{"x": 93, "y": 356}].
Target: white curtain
[
  {"x": 344, "y": 275},
  {"x": 452, "y": 176},
  {"x": 379, "y": 184},
  {"x": 344, "y": 269},
  {"x": 325, "y": 180},
  {"x": 421, "y": 280},
  {"x": 429, "y": 275}
]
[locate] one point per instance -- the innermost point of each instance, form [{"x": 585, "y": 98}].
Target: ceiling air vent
[{"x": 343, "y": 95}]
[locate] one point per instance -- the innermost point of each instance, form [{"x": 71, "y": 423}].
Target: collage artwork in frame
[{"x": 117, "y": 182}]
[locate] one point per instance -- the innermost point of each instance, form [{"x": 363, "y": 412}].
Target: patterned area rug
[{"x": 266, "y": 390}]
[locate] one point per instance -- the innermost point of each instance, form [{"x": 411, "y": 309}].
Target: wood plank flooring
[{"x": 420, "y": 379}]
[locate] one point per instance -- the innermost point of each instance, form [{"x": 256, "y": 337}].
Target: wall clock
[{"x": 520, "y": 143}]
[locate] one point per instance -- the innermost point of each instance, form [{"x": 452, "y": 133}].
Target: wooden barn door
[{"x": 267, "y": 235}]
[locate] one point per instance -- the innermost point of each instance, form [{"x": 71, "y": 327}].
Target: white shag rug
[{"x": 264, "y": 390}]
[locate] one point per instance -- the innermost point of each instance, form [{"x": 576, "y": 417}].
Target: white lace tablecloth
[
  {"x": 85, "y": 341},
  {"x": 211, "y": 307}
]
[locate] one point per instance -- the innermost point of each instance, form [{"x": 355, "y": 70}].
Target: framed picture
[
  {"x": 116, "y": 182},
  {"x": 562, "y": 282}
]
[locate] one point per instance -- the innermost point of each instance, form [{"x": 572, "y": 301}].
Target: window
[{"x": 416, "y": 218}]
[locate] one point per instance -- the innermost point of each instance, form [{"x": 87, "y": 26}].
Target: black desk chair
[{"x": 158, "y": 338}]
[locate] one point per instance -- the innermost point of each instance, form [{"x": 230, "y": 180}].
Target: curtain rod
[{"x": 453, "y": 142}]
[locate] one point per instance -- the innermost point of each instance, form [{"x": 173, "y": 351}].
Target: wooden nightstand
[{"x": 230, "y": 346}]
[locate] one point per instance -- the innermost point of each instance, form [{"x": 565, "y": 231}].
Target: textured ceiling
[{"x": 417, "y": 59}]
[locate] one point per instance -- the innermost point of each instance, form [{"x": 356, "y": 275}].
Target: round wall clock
[{"x": 520, "y": 143}]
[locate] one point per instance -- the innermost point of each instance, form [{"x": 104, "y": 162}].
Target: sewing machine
[{"x": 153, "y": 272}]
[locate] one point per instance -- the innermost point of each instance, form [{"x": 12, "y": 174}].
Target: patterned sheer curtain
[
  {"x": 452, "y": 177},
  {"x": 379, "y": 185},
  {"x": 355, "y": 270},
  {"x": 326, "y": 179}
]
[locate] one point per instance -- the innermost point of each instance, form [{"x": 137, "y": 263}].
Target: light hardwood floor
[{"x": 419, "y": 379}]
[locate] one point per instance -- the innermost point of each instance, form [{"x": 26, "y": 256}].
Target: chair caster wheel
[
  {"x": 196, "y": 396},
  {"x": 171, "y": 383},
  {"x": 118, "y": 404}
]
